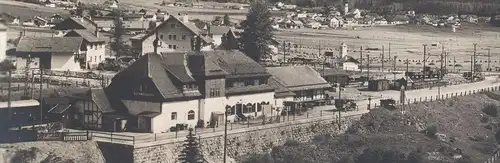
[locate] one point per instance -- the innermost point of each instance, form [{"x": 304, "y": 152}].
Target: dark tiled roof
[
  {"x": 100, "y": 98},
  {"x": 208, "y": 66},
  {"x": 298, "y": 77},
  {"x": 154, "y": 67},
  {"x": 249, "y": 89},
  {"x": 141, "y": 107},
  {"x": 49, "y": 44},
  {"x": 236, "y": 64},
  {"x": 190, "y": 26},
  {"x": 85, "y": 34},
  {"x": 279, "y": 89},
  {"x": 219, "y": 30},
  {"x": 332, "y": 72},
  {"x": 85, "y": 24},
  {"x": 176, "y": 65}
]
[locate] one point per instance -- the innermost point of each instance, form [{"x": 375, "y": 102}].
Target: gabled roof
[
  {"x": 219, "y": 30},
  {"x": 280, "y": 90},
  {"x": 154, "y": 67},
  {"x": 49, "y": 44},
  {"x": 298, "y": 77},
  {"x": 208, "y": 67},
  {"x": 176, "y": 64},
  {"x": 100, "y": 98},
  {"x": 190, "y": 26},
  {"x": 236, "y": 64},
  {"x": 82, "y": 23},
  {"x": 85, "y": 34}
]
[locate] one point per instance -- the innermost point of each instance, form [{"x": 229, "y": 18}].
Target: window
[
  {"x": 174, "y": 46},
  {"x": 212, "y": 92},
  {"x": 100, "y": 59},
  {"x": 170, "y": 46},
  {"x": 173, "y": 116},
  {"x": 256, "y": 82},
  {"x": 183, "y": 37},
  {"x": 172, "y": 25},
  {"x": 217, "y": 92},
  {"x": 169, "y": 37},
  {"x": 95, "y": 58},
  {"x": 174, "y": 37},
  {"x": 191, "y": 115},
  {"x": 161, "y": 36},
  {"x": 95, "y": 47}
]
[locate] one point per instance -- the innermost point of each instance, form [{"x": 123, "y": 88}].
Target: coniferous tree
[
  {"x": 227, "y": 20},
  {"x": 118, "y": 45},
  {"x": 191, "y": 152},
  {"x": 257, "y": 31}
]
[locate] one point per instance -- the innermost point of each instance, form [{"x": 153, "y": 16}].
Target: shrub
[
  {"x": 291, "y": 142},
  {"x": 491, "y": 110},
  {"x": 431, "y": 131},
  {"x": 7, "y": 65},
  {"x": 485, "y": 119}
]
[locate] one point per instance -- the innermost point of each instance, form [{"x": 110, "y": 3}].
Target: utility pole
[
  {"x": 389, "y": 50},
  {"x": 407, "y": 62},
  {"x": 284, "y": 53},
  {"x": 341, "y": 106},
  {"x": 361, "y": 60},
  {"x": 368, "y": 67},
  {"x": 383, "y": 51},
  {"x": 41, "y": 94},
  {"x": 9, "y": 94},
  {"x": 32, "y": 84},
  {"x": 454, "y": 63},
  {"x": 394, "y": 67},
  {"x": 474, "y": 61},
  {"x": 489, "y": 59},
  {"x": 425, "y": 53},
  {"x": 441, "y": 60},
  {"x": 472, "y": 68},
  {"x": 225, "y": 136}
]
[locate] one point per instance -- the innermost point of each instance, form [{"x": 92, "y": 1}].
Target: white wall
[
  {"x": 147, "y": 46},
  {"x": 21, "y": 63},
  {"x": 95, "y": 54},
  {"x": 350, "y": 66},
  {"x": 278, "y": 104},
  {"x": 163, "y": 122},
  {"x": 217, "y": 39},
  {"x": 250, "y": 98},
  {"x": 217, "y": 104},
  {"x": 3, "y": 44},
  {"x": 64, "y": 61}
]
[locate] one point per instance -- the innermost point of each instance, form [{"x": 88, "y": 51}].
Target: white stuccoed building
[{"x": 3, "y": 41}]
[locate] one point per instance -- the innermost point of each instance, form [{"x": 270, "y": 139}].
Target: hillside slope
[
  {"x": 51, "y": 152},
  {"x": 464, "y": 133}
]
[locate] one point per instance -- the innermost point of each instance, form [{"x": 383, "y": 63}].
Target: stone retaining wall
[{"x": 241, "y": 143}]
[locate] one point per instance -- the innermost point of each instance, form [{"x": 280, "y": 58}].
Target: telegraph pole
[
  {"x": 394, "y": 67},
  {"x": 441, "y": 60},
  {"x": 341, "y": 105},
  {"x": 9, "y": 94},
  {"x": 383, "y": 51},
  {"x": 284, "y": 53},
  {"x": 489, "y": 61},
  {"x": 474, "y": 62},
  {"x": 471, "y": 68},
  {"x": 41, "y": 95},
  {"x": 225, "y": 137},
  {"x": 361, "y": 60},
  {"x": 389, "y": 50},
  {"x": 425, "y": 53},
  {"x": 368, "y": 67}
]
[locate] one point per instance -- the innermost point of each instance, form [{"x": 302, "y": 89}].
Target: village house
[
  {"x": 470, "y": 18},
  {"x": 93, "y": 46},
  {"x": 398, "y": 19},
  {"x": 9, "y": 19},
  {"x": 306, "y": 85},
  {"x": 56, "y": 53},
  {"x": 336, "y": 22},
  {"x": 174, "y": 34},
  {"x": 215, "y": 33},
  {"x": 73, "y": 23},
  {"x": 335, "y": 77}
]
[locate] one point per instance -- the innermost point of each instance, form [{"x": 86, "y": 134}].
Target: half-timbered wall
[{"x": 88, "y": 114}]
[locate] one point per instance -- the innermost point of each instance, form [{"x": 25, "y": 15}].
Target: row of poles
[{"x": 9, "y": 96}]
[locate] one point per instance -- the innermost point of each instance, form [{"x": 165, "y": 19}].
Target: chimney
[
  {"x": 155, "y": 43},
  {"x": 96, "y": 32},
  {"x": 185, "y": 18},
  {"x": 82, "y": 19},
  {"x": 346, "y": 7}
]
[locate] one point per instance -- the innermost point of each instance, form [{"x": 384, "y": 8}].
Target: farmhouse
[
  {"x": 174, "y": 34},
  {"x": 72, "y": 23},
  {"x": 307, "y": 85},
  {"x": 57, "y": 53},
  {"x": 93, "y": 47},
  {"x": 335, "y": 77}
]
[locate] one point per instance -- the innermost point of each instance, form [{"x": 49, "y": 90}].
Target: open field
[
  {"x": 406, "y": 42},
  {"x": 27, "y": 10}
]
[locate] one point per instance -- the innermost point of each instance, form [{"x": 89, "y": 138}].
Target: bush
[
  {"x": 491, "y": 110},
  {"x": 7, "y": 65},
  {"x": 431, "y": 131},
  {"x": 485, "y": 119},
  {"x": 291, "y": 142},
  {"x": 25, "y": 155}
]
